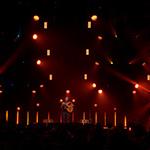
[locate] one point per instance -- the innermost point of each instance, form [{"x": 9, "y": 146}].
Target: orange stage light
[{"x": 94, "y": 17}]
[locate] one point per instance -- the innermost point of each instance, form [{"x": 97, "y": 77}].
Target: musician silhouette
[{"x": 67, "y": 109}]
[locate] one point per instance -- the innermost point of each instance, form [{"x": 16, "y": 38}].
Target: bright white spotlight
[
  {"x": 100, "y": 91},
  {"x": 136, "y": 86},
  {"x": 38, "y": 62},
  {"x": 67, "y": 91},
  {"x": 34, "y": 36},
  {"x": 94, "y": 85}
]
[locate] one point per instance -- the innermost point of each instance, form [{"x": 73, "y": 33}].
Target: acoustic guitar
[{"x": 69, "y": 107}]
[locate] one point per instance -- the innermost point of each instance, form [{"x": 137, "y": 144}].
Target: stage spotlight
[
  {"x": 41, "y": 86},
  {"x": 50, "y": 77},
  {"x": 130, "y": 129},
  {"x": 87, "y": 52},
  {"x": 148, "y": 77},
  {"x": 33, "y": 91},
  {"x": 134, "y": 92},
  {"x": 45, "y": 25},
  {"x": 99, "y": 37},
  {"x": 100, "y": 91},
  {"x": 34, "y": 36},
  {"x": 73, "y": 100},
  {"x": 97, "y": 63},
  {"x": 94, "y": 17},
  {"x": 36, "y": 18},
  {"x": 111, "y": 62},
  {"x": 18, "y": 108},
  {"x": 95, "y": 105},
  {"x": 94, "y": 85},
  {"x": 61, "y": 100},
  {"x": 38, "y": 62},
  {"x": 85, "y": 76},
  {"x": 89, "y": 24},
  {"x": 67, "y": 91},
  {"x": 48, "y": 52},
  {"x": 136, "y": 86},
  {"x": 37, "y": 104}
]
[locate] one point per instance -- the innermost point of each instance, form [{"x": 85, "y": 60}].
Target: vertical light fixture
[
  {"x": 37, "y": 113},
  {"x": 28, "y": 118},
  {"x": 89, "y": 25},
  {"x": 87, "y": 52},
  {"x": 105, "y": 120},
  {"x": 85, "y": 76},
  {"x": 50, "y": 77},
  {"x": 6, "y": 113},
  {"x": 17, "y": 115},
  {"x": 148, "y": 77},
  {"x": 48, "y": 117},
  {"x": 115, "y": 117},
  {"x": 48, "y": 52},
  {"x": 37, "y": 117},
  {"x": 125, "y": 122},
  {"x": 45, "y": 25}
]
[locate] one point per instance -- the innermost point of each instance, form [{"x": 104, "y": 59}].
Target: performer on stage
[{"x": 67, "y": 109}]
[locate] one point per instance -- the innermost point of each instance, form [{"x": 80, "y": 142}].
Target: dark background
[{"x": 67, "y": 36}]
